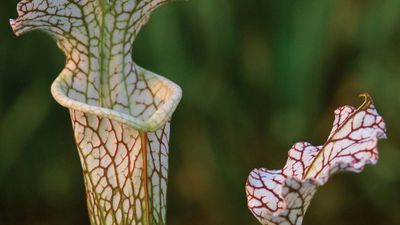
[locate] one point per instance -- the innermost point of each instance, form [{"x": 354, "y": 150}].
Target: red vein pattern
[
  {"x": 281, "y": 197},
  {"x": 120, "y": 112},
  {"x": 112, "y": 160}
]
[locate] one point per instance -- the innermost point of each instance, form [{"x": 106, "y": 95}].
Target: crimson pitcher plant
[
  {"x": 120, "y": 112},
  {"x": 281, "y": 197}
]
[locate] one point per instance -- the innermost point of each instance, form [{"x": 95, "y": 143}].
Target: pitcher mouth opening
[{"x": 154, "y": 122}]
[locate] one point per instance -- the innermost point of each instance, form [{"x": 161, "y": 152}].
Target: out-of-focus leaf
[{"x": 17, "y": 126}]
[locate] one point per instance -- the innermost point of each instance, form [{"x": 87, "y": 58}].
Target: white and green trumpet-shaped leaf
[
  {"x": 281, "y": 197},
  {"x": 120, "y": 112}
]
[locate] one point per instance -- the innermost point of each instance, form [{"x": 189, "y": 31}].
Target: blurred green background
[{"x": 257, "y": 76}]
